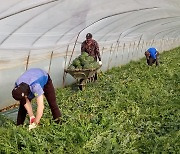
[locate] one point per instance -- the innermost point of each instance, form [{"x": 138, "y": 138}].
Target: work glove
[
  {"x": 32, "y": 126},
  {"x": 100, "y": 62},
  {"x": 32, "y": 119}
]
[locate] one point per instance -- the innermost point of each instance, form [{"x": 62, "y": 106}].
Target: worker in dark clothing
[
  {"x": 92, "y": 48},
  {"x": 34, "y": 83},
  {"x": 152, "y": 56}
]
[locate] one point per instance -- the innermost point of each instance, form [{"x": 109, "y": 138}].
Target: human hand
[
  {"x": 32, "y": 119},
  {"x": 32, "y": 126},
  {"x": 100, "y": 62}
]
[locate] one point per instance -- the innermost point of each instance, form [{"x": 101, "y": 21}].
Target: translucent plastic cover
[{"x": 48, "y": 34}]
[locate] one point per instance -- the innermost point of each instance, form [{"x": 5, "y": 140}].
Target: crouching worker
[
  {"x": 35, "y": 83},
  {"x": 152, "y": 56}
]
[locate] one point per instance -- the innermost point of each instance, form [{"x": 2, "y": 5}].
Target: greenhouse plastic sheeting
[{"x": 48, "y": 34}]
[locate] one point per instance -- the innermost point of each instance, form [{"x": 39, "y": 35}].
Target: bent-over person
[
  {"x": 35, "y": 83},
  {"x": 152, "y": 56}
]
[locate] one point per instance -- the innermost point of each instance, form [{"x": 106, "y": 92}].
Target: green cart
[{"x": 83, "y": 76}]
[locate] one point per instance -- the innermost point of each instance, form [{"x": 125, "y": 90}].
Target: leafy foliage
[
  {"x": 131, "y": 109},
  {"x": 84, "y": 61}
]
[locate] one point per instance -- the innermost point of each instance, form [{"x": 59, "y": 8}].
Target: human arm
[
  {"x": 40, "y": 108},
  {"x": 39, "y": 113},
  {"x": 83, "y": 47},
  {"x": 97, "y": 51},
  {"x": 157, "y": 53},
  {"x": 38, "y": 93},
  {"x": 28, "y": 107},
  {"x": 29, "y": 110},
  {"x": 147, "y": 54}
]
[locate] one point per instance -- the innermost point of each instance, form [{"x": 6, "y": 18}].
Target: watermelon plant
[{"x": 131, "y": 109}]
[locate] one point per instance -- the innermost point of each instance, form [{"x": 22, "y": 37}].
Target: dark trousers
[
  {"x": 95, "y": 76},
  {"x": 151, "y": 61},
  {"x": 49, "y": 93}
]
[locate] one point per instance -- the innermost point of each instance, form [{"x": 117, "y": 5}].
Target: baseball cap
[
  {"x": 20, "y": 91},
  {"x": 88, "y": 35}
]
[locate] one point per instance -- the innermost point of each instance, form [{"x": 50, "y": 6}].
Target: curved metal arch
[
  {"x": 142, "y": 23},
  {"x": 161, "y": 32},
  {"x": 1, "y": 18},
  {"x": 172, "y": 31},
  {"x": 55, "y": 26},
  {"x": 10, "y": 7},
  {"x": 115, "y": 29},
  {"x": 27, "y": 21}
]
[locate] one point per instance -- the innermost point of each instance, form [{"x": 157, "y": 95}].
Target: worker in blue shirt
[
  {"x": 35, "y": 83},
  {"x": 152, "y": 56}
]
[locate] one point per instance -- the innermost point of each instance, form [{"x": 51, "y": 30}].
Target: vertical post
[
  {"x": 152, "y": 42},
  {"x": 123, "y": 51},
  {"x": 173, "y": 43},
  {"x": 167, "y": 42},
  {"x": 118, "y": 46},
  {"x": 117, "y": 53},
  {"x": 162, "y": 44},
  {"x": 142, "y": 46},
  {"x": 110, "y": 56},
  {"x": 133, "y": 49},
  {"x": 27, "y": 63},
  {"x": 102, "y": 51},
  {"x": 129, "y": 50},
  {"x": 73, "y": 48},
  {"x": 50, "y": 62},
  {"x": 64, "y": 75},
  {"x": 138, "y": 44}
]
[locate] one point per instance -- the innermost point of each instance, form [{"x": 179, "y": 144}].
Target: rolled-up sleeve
[
  {"x": 37, "y": 90},
  {"x": 97, "y": 50}
]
